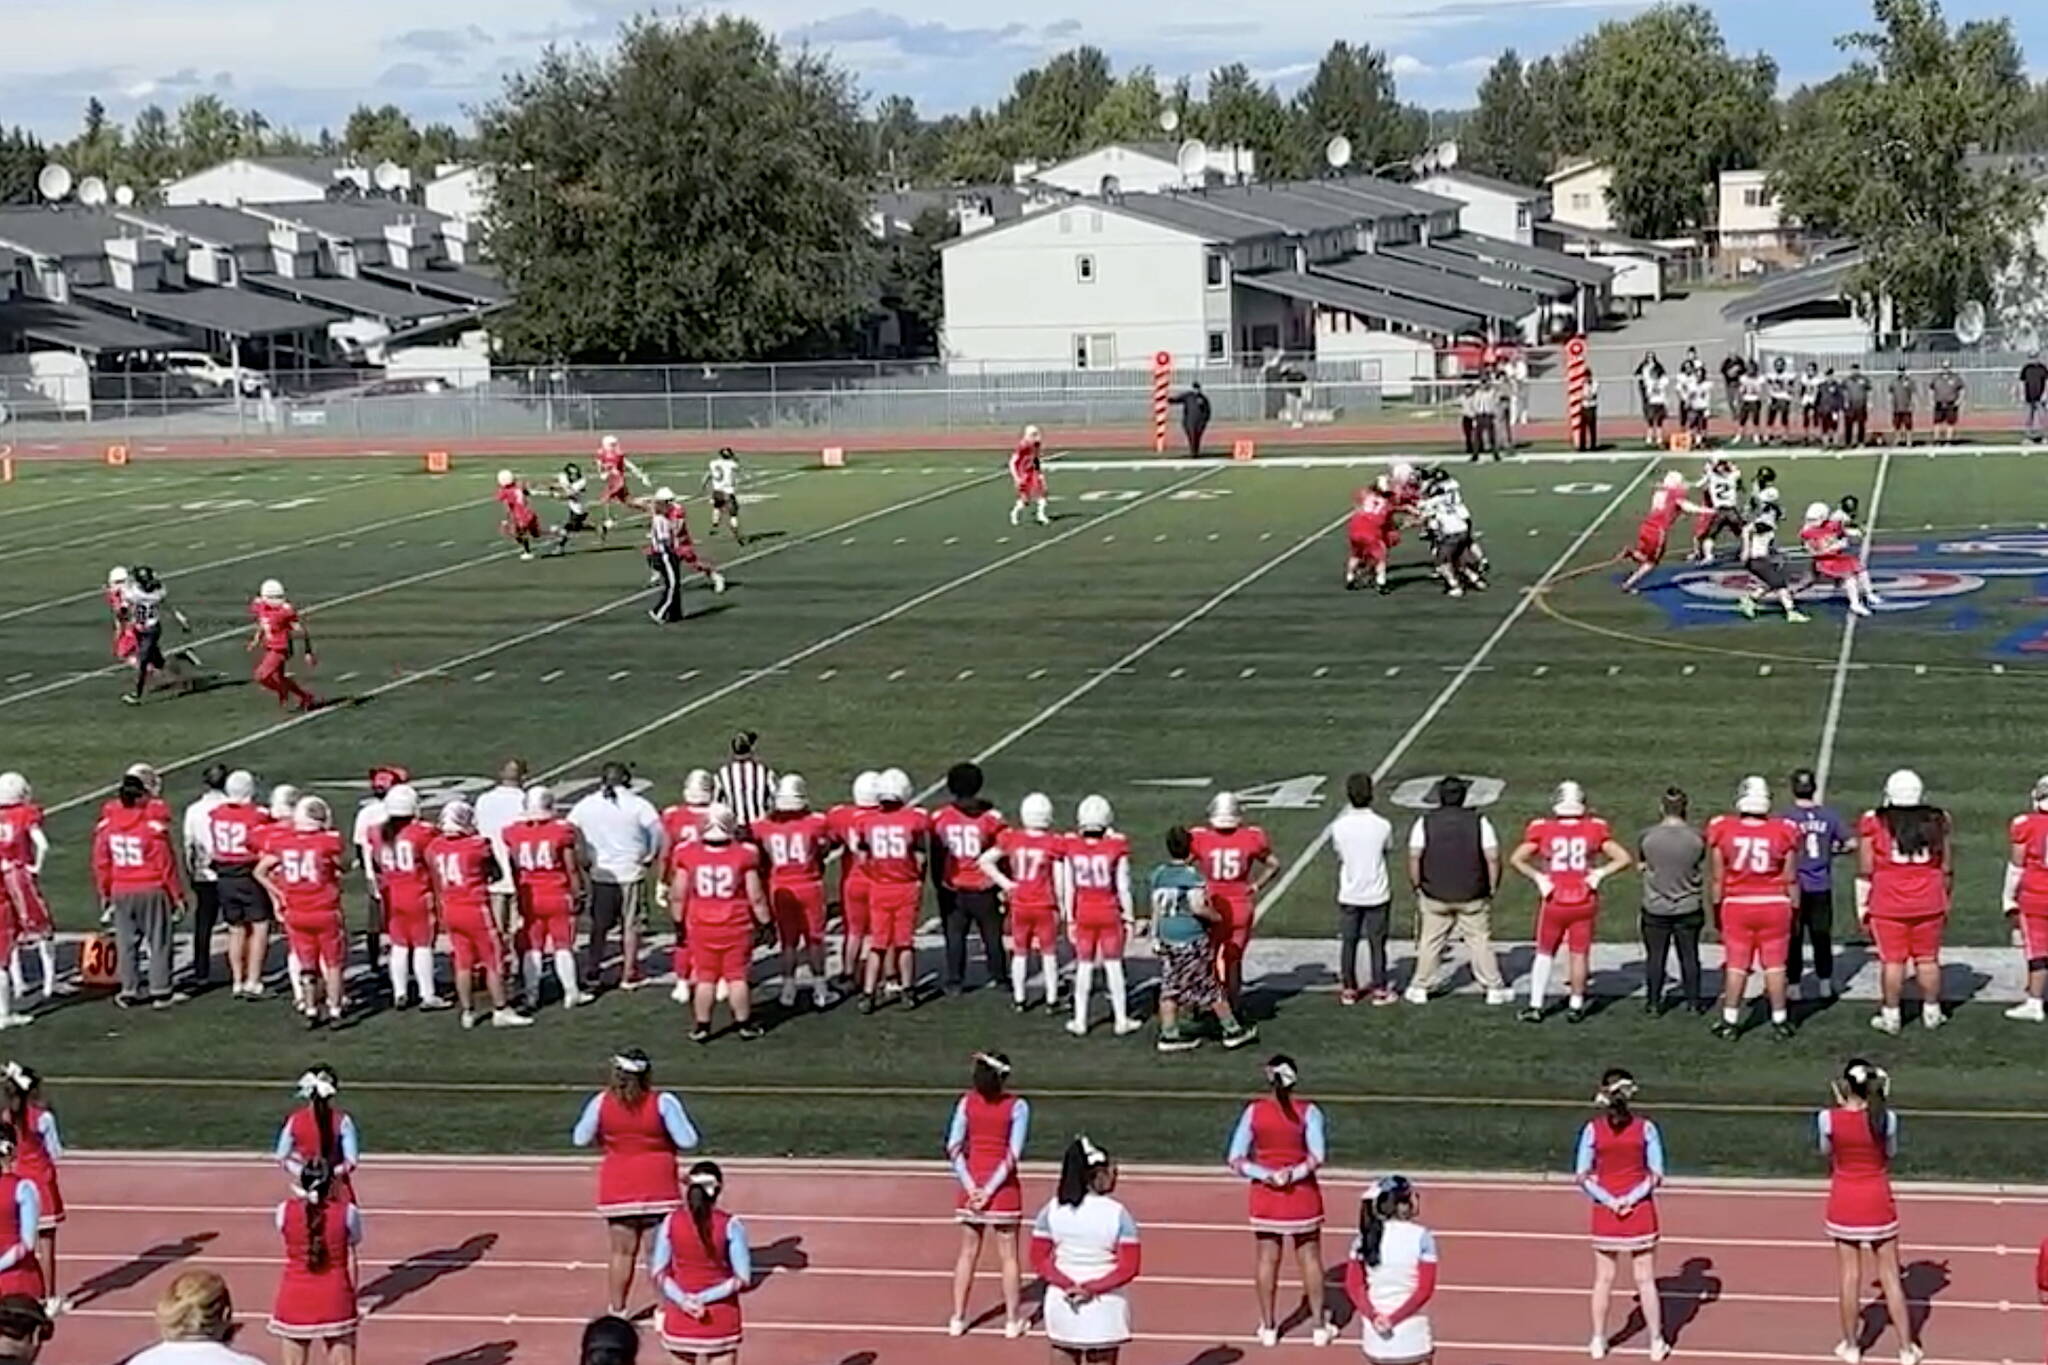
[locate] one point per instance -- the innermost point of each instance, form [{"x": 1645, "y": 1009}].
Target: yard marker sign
[
  {"x": 1576, "y": 373},
  {"x": 1162, "y": 381}
]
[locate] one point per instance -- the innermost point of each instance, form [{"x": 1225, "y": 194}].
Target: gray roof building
[{"x": 238, "y": 313}]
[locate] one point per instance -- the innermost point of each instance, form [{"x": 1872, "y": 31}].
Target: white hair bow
[{"x": 315, "y": 1085}]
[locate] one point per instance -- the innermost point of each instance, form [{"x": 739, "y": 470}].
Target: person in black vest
[
  {"x": 1194, "y": 417},
  {"x": 1454, "y": 863}
]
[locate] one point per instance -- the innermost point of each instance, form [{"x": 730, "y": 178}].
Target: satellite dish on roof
[
  {"x": 124, "y": 195},
  {"x": 92, "y": 192},
  {"x": 1970, "y": 323},
  {"x": 387, "y": 176},
  {"x": 1337, "y": 152},
  {"x": 1446, "y": 155},
  {"x": 1192, "y": 159},
  {"x": 1169, "y": 120},
  {"x": 53, "y": 182}
]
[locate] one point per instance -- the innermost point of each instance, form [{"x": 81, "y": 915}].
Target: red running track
[{"x": 486, "y": 1263}]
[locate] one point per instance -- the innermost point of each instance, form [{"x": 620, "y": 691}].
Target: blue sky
[{"x": 439, "y": 60}]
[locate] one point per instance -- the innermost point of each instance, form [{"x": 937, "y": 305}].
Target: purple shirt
[{"x": 1822, "y": 836}]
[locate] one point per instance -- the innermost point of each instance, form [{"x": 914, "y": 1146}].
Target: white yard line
[
  {"x": 1100, "y": 677},
  {"x": 1831, "y": 724},
  {"x": 112, "y": 489},
  {"x": 840, "y": 637},
  {"x": 142, "y": 509},
  {"x": 527, "y": 637},
  {"x": 1476, "y": 664}
]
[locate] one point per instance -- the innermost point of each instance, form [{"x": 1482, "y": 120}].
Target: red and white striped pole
[
  {"x": 1162, "y": 385},
  {"x": 1576, "y": 373}
]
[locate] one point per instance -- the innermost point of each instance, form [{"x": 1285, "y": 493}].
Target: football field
[{"x": 1179, "y": 629}]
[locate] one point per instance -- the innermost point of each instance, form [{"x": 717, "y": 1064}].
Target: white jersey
[
  {"x": 1657, "y": 388},
  {"x": 723, "y": 476},
  {"x": 1405, "y": 1247},
  {"x": 145, "y": 609},
  {"x": 1724, "y": 491},
  {"x": 1446, "y": 513},
  {"x": 1085, "y": 1240},
  {"x": 1760, "y": 539}
]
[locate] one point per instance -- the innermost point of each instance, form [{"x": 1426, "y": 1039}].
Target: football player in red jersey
[
  {"x": 1562, "y": 854},
  {"x": 2025, "y": 899},
  {"x": 1667, "y": 505},
  {"x": 23, "y": 847},
  {"x": 1833, "y": 541},
  {"x": 1236, "y": 861},
  {"x": 117, "y": 605},
  {"x": 681, "y": 824},
  {"x": 894, "y": 840},
  {"x": 1029, "y": 864},
  {"x": 521, "y": 522},
  {"x": 843, "y": 821},
  {"x": 464, "y": 864},
  {"x": 715, "y": 884},
  {"x": 547, "y": 871},
  {"x": 277, "y": 626},
  {"x": 1371, "y": 521},
  {"x": 1752, "y": 884},
  {"x": 796, "y": 840},
  {"x": 1098, "y": 861},
  {"x": 1027, "y": 475},
  {"x": 1905, "y": 855},
  {"x": 614, "y": 466},
  {"x": 301, "y": 868}
]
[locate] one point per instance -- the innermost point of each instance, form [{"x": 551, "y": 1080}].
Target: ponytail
[
  {"x": 1281, "y": 1075},
  {"x": 1872, "y": 1084},
  {"x": 706, "y": 1181},
  {"x": 318, "y": 1086},
  {"x": 316, "y": 1180},
  {"x": 1386, "y": 1199},
  {"x": 991, "y": 1075},
  {"x": 1077, "y": 1171}
]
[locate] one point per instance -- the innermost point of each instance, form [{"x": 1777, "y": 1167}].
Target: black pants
[
  {"x": 1370, "y": 923},
  {"x": 610, "y": 903},
  {"x": 1856, "y": 426},
  {"x": 1813, "y": 922},
  {"x": 1470, "y": 428},
  {"x": 1194, "y": 434},
  {"x": 149, "y": 655},
  {"x": 958, "y": 912},
  {"x": 1662, "y": 933},
  {"x": 1589, "y": 428},
  {"x": 1484, "y": 437},
  {"x": 668, "y": 594},
  {"x": 205, "y": 911}
]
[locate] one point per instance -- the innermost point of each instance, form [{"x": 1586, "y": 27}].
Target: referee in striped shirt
[{"x": 746, "y": 783}]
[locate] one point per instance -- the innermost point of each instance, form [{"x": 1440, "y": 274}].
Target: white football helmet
[
  {"x": 13, "y": 789},
  {"x": 664, "y": 494},
  {"x": 151, "y": 778},
  {"x": 1403, "y": 472},
  {"x": 697, "y": 788},
  {"x": 284, "y": 800},
  {"x": 1094, "y": 814},
  {"x": 791, "y": 795},
  {"x": 2040, "y": 794},
  {"x": 1816, "y": 512},
  {"x": 458, "y": 817},
  {"x": 1036, "y": 811},
  {"x": 271, "y": 591},
  {"x": 896, "y": 786},
  {"x": 311, "y": 814},
  {"x": 1225, "y": 811},
  {"x": 1031, "y": 435},
  {"x": 719, "y": 823},
  {"x": 1753, "y": 796},
  {"x": 117, "y": 577},
  {"x": 1904, "y": 788},
  {"x": 1568, "y": 799},
  {"x": 1674, "y": 480},
  {"x": 867, "y": 790},
  {"x": 402, "y": 802},
  {"x": 241, "y": 785},
  {"x": 539, "y": 800},
  {"x": 609, "y": 443},
  {"x": 506, "y": 478}
]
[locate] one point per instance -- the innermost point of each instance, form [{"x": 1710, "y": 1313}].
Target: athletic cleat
[
  {"x": 1885, "y": 1023},
  {"x": 1076, "y": 1027},
  {"x": 1125, "y": 1027},
  {"x": 2029, "y": 1011},
  {"x": 700, "y": 1034},
  {"x": 1726, "y": 1031},
  {"x": 751, "y": 1032},
  {"x": 509, "y": 1018},
  {"x": 1747, "y": 606},
  {"x": 717, "y": 582},
  {"x": 787, "y": 996},
  {"x": 1531, "y": 1015}
]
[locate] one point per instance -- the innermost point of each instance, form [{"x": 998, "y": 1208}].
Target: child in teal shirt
[{"x": 1187, "y": 966}]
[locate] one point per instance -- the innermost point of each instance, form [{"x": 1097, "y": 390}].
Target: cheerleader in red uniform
[
  {"x": 320, "y": 1130},
  {"x": 984, "y": 1143},
  {"x": 20, "y": 1271},
  {"x": 38, "y": 1149},
  {"x": 1278, "y": 1145},
  {"x": 701, "y": 1265},
  {"x": 1859, "y": 1135},
  {"x": 1620, "y": 1165},
  {"x": 641, "y": 1131},
  {"x": 316, "y": 1294}
]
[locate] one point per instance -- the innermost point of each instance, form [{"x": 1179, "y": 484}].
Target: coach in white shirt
[
  {"x": 1365, "y": 897},
  {"x": 621, "y": 834},
  {"x": 495, "y": 809},
  {"x": 197, "y": 841}
]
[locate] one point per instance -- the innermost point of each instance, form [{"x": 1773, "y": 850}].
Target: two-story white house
[
  {"x": 1498, "y": 208},
  {"x": 1751, "y": 232},
  {"x": 266, "y": 180},
  {"x": 1138, "y": 168},
  {"x": 1579, "y": 195}
]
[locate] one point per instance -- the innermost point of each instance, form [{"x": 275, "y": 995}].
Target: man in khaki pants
[{"x": 1454, "y": 862}]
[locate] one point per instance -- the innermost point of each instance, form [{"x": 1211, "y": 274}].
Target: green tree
[
  {"x": 21, "y": 157},
  {"x": 1237, "y": 110},
  {"x": 382, "y": 134},
  {"x": 1352, "y": 93},
  {"x": 1881, "y": 153},
  {"x": 1557, "y": 107},
  {"x": 1506, "y": 136},
  {"x": 1047, "y": 112},
  {"x": 911, "y": 281},
  {"x": 904, "y": 146},
  {"x": 975, "y": 148},
  {"x": 1128, "y": 113},
  {"x": 1668, "y": 109},
  {"x": 152, "y": 150},
  {"x": 97, "y": 150},
  {"x": 694, "y": 192},
  {"x": 439, "y": 145},
  {"x": 208, "y": 132}
]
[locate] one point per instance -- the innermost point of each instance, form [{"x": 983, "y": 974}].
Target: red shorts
[
  {"x": 408, "y": 924},
  {"x": 528, "y": 525},
  {"x": 1902, "y": 940},
  {"x": 720, "y": 952},
  {"x": 853, "y": 905},
  {"x": 616, "y": 492},
  {"x": 1034, "y": 928},
  {"x": 1099, "y": 940},
  {"x": 1756, "y": 934},
  {"x": 1031, "y": 489},
  {"x": 1231, "y": 932},
  {"x": 1372, "y": 551},
  {"x": 547, "y": 919},
  {"x": 31, "y": 911},
  {"x": 799, "y": 912},
  {"x": 316, "y": 940},
  {"x": 2034, "y": 933},
  {"x": 272, "y": 663},
  {"x": 1570, "y": 924},
  {"x": 892, "y": 914},
  {"x": 1836, "y": 566},
  {"x": 1649, "y": 544},
  {"x": 124, "y": 643},
  {"x": 473, "y": 937}
]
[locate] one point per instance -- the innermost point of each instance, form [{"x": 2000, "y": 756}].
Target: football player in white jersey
[
  {"x": 722, "y": 480},
  {"x": 1760, "y": 558},
  {"x": 571, "y": 488},
  {"x": 1449, "y": 522},
  {"x": 1722, "y": 482}
]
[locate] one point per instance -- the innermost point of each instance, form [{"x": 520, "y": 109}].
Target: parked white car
[{"x": 207, "y": 370}]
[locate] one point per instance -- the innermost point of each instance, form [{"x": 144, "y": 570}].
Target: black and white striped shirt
[{"x": 748, "y": 786}]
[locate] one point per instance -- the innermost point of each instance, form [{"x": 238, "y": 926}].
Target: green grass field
[{"x": 1176, "y": 630}]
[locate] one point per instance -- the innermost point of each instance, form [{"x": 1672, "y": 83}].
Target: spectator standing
[
  {"x": 1503, "y": 409},
  {"x": 1588, "y": 433},
  {"x": 1365, "y": 896},
  {"x": 2034, "y": 394},
  {"x": 1946, "y": 389},
  {"x": 24, "y": 1327},
  {"x": 197, "y": 841},
  {"x": 495, "y": 809},
  {"x": 1823, "y": 837},
  {"x": 621, "y": 834},
  {"x": 1646, "y": 369},
  {"x": 1829, "y": 401},
  {"x": 746, "y": 783},
  {"x": 1485, "y": 438},
  {"x": 1856, "y": 408},
  {"x": 1194, "y": 417},
  {"x": 135, "y": 871},
  {"x": 1809, "y": 402},
  {"x": 1468, "y": 419},
  {"x": 1733, "y": 367},
  {"x": 1454, "y": 865},
  {"x": 194, "y": 1320},
  {"x": 1903, "y": 393},
  {"x": 1181, "y": 916},
  {"x": 1671, "y": 853}
]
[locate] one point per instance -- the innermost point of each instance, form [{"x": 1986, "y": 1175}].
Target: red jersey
[
  {"x": 1667, "y": 505},
  {"x": 231, "y": 831},
  {"x": 1567, "y": 848},
  {"x": 117, "y": 603},
  {"x": 403, "y": 875},
  {"x": 1755, "y": 853},
  {"x": 1226, "y": 855},
  {"x": 541, "y": 852},
  {"x": 682, "y": 824},
  {"x": 612, "y": 465},
  {"x": 464, "y": 866},
  {"x": 1093, "y": 861},
  {"x": 843, "y": 824},
  {"x": 715, "y": 880},
  {"x": 1025, "y": 461},
  {"x": 308, "y": 871},
  {"x": 1369, "y": 519},
  {"x": 959, "y": 840},
  {"x": 1621, "y": 1159},
  {"x": 158, "y": 808},
  {"x": 1902, "y": 885},
  {"x": 131, "y": 852},
  {"x": 891, "y": 839},
  {"x": 1032, "y": 856},
  {"x": 1407, "y": 495},
  {"x": 17, "y": 827},
  {"x": 2028, "y": 836},
  {"x": 796, "y": 843},
  {"x": 1829, "y": 543},
  {"x": 275, "y": 621},
  {"x": 679, "y": 521}
]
